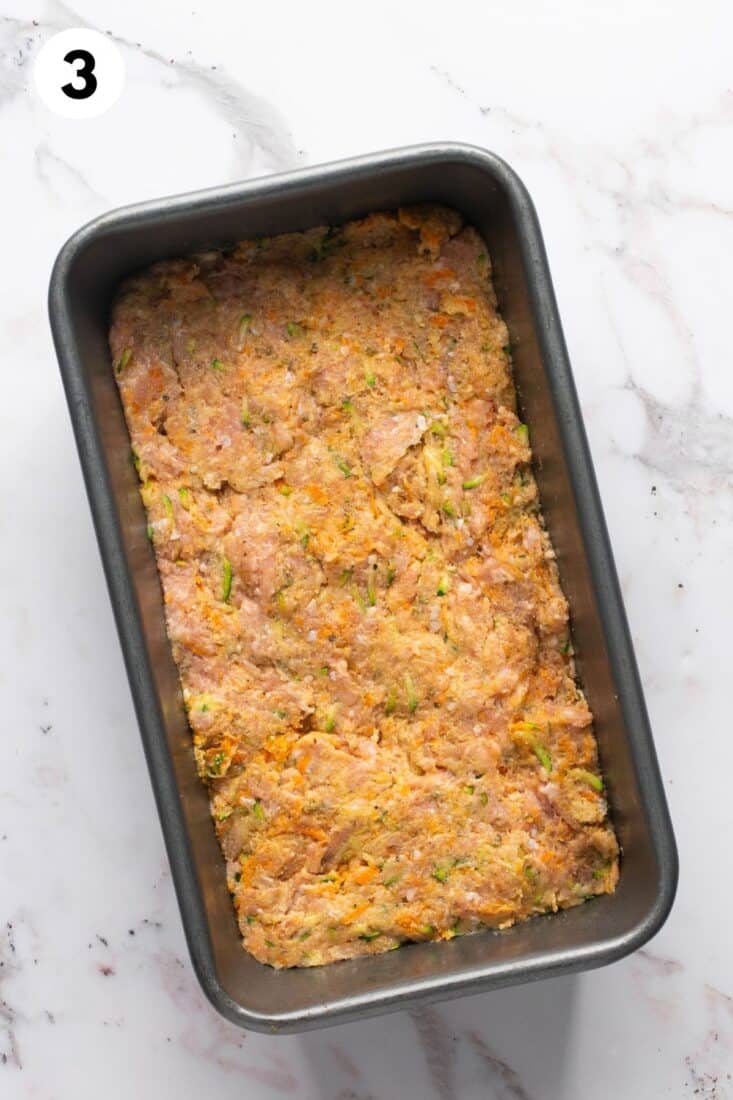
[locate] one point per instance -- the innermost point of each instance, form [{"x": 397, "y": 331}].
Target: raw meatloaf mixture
[{"x": 362, "y": 600}]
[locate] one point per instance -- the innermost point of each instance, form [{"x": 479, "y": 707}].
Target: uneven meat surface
[{"x": 362, "y": 600}]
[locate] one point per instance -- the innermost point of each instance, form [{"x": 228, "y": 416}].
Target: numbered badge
[{"x": 79, "y": 73}]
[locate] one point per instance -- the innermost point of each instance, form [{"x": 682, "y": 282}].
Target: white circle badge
[{"x": 79, "y": 73}]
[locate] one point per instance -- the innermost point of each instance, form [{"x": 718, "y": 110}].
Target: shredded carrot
[
  {"x": 438, "y": 275},
  {"x": 317, "y": 493},
  {"x": 364, "y": 875},
  {"x": 351, "y": 916}
]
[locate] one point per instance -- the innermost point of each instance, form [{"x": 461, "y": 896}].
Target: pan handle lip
[{"x": 170, "y": 207}]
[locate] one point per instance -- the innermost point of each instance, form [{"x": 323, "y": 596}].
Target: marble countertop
[{"x": 619, "y": 117}]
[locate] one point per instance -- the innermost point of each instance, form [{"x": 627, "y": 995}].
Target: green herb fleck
[
  {"x": 294, "y": 329},
  {"x": 258, "y": 810},
  {"x": 442, "y": 588},
  {"x": 214, "y": 766},
  {"x": 391, "y": 574},
  {"x": 123, "y": 360},
  {"x": 543, "y": 756},
  {"x": 343, "y": 466},
  {"x": 419, "y": 354},
  {"x": 135, "y": 459},
  {"x": 369, "y": 936},
  {"x": 245, "y": 416},
  {"x": 391, "y": 703},
  {"x": 216, "y": 364},
  {"x": 412, "y": 698},
  {"x": 150, "y": 533},
  {"x": 372, "y": 586},
  {"x": 590, "y": 778},
  {"x": 168, "y": 505},
  {"x": 483, "y": 798},
  {"x": 448, "y": 509},
  {"x": 438, "y": 428},
  {"x": 370, "y": 379},
  {"x": 523, "y": 432},
  {"x": 185, "y": 498},
  {"x": 440, "y": 873},
  {"x": 226, "y": 584},
  {"x": 331, "y": 240},
  {"x": 474, "y": 482}
]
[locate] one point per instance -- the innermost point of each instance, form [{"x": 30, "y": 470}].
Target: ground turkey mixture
[{"x": 362, "y": 600}]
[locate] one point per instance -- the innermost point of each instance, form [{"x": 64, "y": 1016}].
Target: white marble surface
[{"x": 620, "y": 119}]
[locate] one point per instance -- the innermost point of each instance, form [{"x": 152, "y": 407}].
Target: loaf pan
[{"x": 489, "y": 194}]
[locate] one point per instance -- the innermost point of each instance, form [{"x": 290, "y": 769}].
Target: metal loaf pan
[{"x": 491, "y": 197}]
